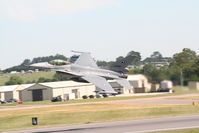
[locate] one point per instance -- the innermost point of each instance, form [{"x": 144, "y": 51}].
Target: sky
[{"x": 105, "y": 28}]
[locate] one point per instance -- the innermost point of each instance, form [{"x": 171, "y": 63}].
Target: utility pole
[{"x": 181, "y": 78}]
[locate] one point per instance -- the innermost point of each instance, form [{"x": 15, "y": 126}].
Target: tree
[
  {"x": 155, "y": 75},
  {"x": 184, "y": 59},
  {"x": 119, "y": 58},
  {"x": 25, "y": 65},
  {"x": 196, "y": 68},
  {"x": 60, "y": 77},
  {"x": 137, "y": 59},
  {"x": 26, "y": 62},
  {"x": 43, "y": 80},
  {"x": 14, "y": 80},
  {"x": 48, "y": 58},
  {"x": 156, "y": 55},
  {"x": 102, "y": 63},
  {"x": 184, "y": 63},
  {"x": 136, "y": 71}
]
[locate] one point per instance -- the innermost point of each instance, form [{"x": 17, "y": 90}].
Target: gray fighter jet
[{"x": 85, "y": 69}]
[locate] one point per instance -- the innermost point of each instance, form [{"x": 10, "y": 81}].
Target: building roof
[
  {"x": 62, "y": 84},
  {"x": 14, "y": 87},
  {"x": 24, "y": 86},
  {"x": 59, "y": 84},
  {"x": 136, "y": 77},
  {"x": 8, "y": 88}
]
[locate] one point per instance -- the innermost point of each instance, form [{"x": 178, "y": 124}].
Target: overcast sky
[{"x": 106, "y": 28}]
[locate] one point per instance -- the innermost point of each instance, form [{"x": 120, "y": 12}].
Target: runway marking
[{"x": 167, "y": 129}]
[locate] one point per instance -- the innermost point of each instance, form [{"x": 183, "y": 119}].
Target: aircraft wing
[
  {"x": 124, "y": 83},
  {"x": 68, "y": 72},
  {"x": 101, "y": 83},
  {"x": 85, "y": 59}
]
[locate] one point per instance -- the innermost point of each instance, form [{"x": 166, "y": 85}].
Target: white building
[
  {"x": 166, "y": 84},
  {"x": 11, "y": 91},
  {"x": 66, "y": 89},
  {"x": 193, "y": 85},
  {"x": 120, "y": 89},
  {"x": 140, "y": 83},
  {"x": 6, "y": 92}
]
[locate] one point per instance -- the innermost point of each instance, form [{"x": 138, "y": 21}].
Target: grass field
[
  {"x": 89, "y": 113},
  {"x": 26, "y": 77},
  {"x": 183, "y": 90},
  {"x": 81, "y": 114}
]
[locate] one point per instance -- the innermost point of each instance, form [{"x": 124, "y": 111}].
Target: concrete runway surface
[{"x": 129, "y": 126}]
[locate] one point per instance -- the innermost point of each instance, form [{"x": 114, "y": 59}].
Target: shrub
[
  {"x": 14, "y": 80},
  {"x": 91, "y": 96},
  {"x": 105, "y": 95},
  {"x": 84, "y": 97}
]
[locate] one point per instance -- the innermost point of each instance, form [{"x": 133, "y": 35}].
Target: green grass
[
  {"x": 181, "y": 131},
  {"x": 82, "y": 114},
  {"x": 183, "y": 90},
  {"x": 26, "y": 77}
]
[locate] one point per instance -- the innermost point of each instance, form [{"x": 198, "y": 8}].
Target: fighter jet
[{"x": 85, "y": 69}]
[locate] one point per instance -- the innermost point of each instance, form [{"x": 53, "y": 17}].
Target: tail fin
[{"x": 120, "y": 65}]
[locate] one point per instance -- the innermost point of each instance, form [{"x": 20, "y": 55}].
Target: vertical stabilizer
[{"x": 120, "y": 65}]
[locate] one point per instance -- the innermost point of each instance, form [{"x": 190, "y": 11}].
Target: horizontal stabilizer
[
  {"x": 101, "y": 83},
  {"x": 125, "y": 83}
]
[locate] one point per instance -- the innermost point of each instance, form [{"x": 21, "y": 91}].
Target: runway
[{"x": 129, "y": 126}]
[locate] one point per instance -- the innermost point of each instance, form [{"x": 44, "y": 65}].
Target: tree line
[
  {"x": 25, "y": 65},
  {"x": 17, "y": 80},
  {"x": 181, "y": 68}
]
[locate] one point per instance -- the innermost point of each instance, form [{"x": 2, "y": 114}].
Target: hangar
[
  {"x": 6, "y": 92},
  {"x": 45, "y": 91},
  {"x": 65, "y": 89},
  {"x": 140, "y": 83},
  {"x": 31, "y": 93},
  {"x": 68, "y": 89},
  {"x": 11, "y": 91}
]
